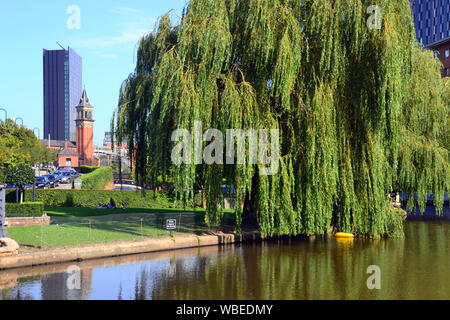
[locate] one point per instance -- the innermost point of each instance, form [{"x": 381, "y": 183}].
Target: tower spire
[{"x": 84, "y": 101}]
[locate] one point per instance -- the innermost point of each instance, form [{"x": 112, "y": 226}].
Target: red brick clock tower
[{"x": 85, "y": 131}]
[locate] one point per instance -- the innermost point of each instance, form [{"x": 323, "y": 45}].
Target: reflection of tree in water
[
  {"x": 15, "y": 293},
  {"x": 416, "y": 267},
  {"x": 140, "y": 289},
  {"x": 201, "y": 277}
]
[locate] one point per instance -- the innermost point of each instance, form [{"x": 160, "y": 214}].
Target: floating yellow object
[{"x": 344, "y": 235}]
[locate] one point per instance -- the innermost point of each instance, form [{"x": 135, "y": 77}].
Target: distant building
[
  {"x": 108, "y": 143},
  {"x": 81, "y": 151},
  {"x": 443, "y": 51},
  {"x": 432, "y": 20},
  {"x": 67, "y": 157},
  {"x": 432, "y": 24},
  {"x": 63, "y": 85},
  {"x": 108, "y": 156},
  {"x": 58, "y": 145}
]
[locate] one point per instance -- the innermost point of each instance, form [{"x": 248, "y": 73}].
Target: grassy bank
[{"x": 78, "y": 226}]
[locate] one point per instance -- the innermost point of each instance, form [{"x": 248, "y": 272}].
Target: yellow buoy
[{"x": 344, "y": 235}]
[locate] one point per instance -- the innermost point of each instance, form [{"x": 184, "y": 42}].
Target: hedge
[
  {"x": 97, "y": 179},
  {"x": 87, "y": 169},
  {"x": 25, "y": 209},
  {"x": 89, "y": 199}
]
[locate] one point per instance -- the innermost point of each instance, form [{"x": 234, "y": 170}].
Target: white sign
[{"x": 171, "y": 224}]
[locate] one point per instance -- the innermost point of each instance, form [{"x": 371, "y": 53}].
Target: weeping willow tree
[
  {"x": 424, "y": 153},
  {"x": 337, "y": 91}
]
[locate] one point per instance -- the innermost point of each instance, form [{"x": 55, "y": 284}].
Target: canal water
[{"x": 416, "y": 267}]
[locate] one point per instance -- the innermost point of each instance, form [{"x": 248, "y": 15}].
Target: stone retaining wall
[{"x": 116, "y": 249}]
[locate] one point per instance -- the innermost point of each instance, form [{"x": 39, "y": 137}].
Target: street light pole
[
  {"x": 2, "y": 212},
  {"x": 6, "y": 113},
  {"x": 39, "y": 132},
  {"x": 19, "y": 118}
]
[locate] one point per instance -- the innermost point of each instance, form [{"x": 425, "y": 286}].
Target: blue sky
[{"x": 106, "y": 40}]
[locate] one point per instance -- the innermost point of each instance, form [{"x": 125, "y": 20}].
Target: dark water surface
[{"x": 417, "y": 267}]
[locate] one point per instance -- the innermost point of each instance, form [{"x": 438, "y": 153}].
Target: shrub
[
  {"x": 87, "y": 198},
  {"x": 395, "y": 223},
  {"x": 20, "y": 175},
  {"x": 97, "y": 179},
  {"x": 26, "y": 209}
]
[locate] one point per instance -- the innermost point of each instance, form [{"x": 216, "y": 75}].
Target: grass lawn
[{"x": 77, "y": 226}]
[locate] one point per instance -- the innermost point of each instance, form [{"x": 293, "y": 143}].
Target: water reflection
[{"x": 414, "y": 268}]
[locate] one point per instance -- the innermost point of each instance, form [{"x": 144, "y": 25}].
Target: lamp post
[
  {"x": 2, "y": 211},
  {"x": 6, "y": 113},
  {"x": 39, "y": 132},
  {"x": 19, "y": 118}
]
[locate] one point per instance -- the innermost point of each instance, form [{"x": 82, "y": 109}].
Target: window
[
  {"x": 68, "y": 162},
  {"x": 447, "y": 53}
]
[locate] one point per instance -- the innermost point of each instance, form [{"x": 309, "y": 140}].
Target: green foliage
[
  {"x": 19, "y": 145},
  {"x": 97, "y": 179},
  {"x": 20, "y": 175},
  {"x": 87, "y": 169},
  {"x": 337, "y": 91},
  {"x": 90, "y": 199},
  {"x": 424, "y": 153},
  {"x": 25, "y": 209}
]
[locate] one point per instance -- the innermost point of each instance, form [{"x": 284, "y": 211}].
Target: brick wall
[{"x": 28, "y": 221}]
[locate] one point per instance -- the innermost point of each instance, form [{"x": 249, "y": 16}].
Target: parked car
[
  {"x": 66, "y": 178},
  {"x": 57, "y": 175},
  {"x": 125, "y": 181},
  {"x": 75, "y": 174},
  {"x": 13, "y": 186},
  {"x": 42, "y": 182},
  {"x": 52, "y": 180},
  {"x": 66, "y": 169}
]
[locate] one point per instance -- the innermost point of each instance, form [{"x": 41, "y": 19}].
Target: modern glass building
[
  {"x": 63, "y": 86},
  {"x": 432, "y": 20}
]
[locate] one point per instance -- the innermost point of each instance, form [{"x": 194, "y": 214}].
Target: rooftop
[
  {"x": 67, "y": 152},
  {"x": 58, "y": 143}
]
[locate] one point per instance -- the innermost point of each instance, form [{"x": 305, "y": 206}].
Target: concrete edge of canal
[{"x": 115, "y": 249}]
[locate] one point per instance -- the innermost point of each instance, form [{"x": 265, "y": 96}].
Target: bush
[
  {"x": 89, "y": 199},
  {"x": 26, "y": 209},
  {"x": 97, "y": 179},
  {"x": 87, "y": 169}
]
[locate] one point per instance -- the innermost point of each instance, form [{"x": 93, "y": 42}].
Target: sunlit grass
[{"x": 79, "y": 226}]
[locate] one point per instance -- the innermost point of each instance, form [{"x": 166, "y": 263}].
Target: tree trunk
[
  {"x": 203, "y": 198},
  {"x": 249, "y": 217}
]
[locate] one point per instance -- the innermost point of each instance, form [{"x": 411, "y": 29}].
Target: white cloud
[
  {"x": 132, "y": 30},
  {"x": 126, "y": 36}
]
